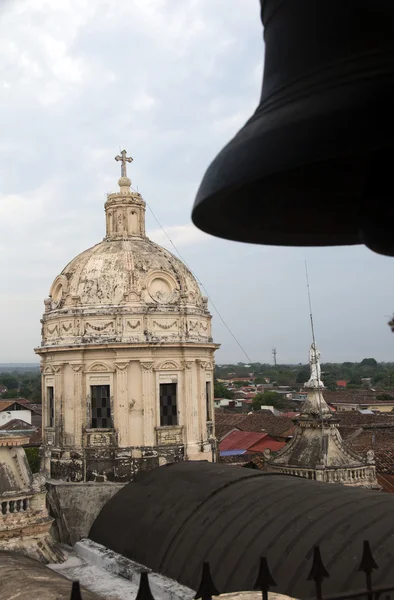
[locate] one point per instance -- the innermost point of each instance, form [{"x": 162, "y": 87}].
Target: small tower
[{"x": 317, "y": 450}]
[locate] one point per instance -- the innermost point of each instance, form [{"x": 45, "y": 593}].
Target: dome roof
[
  {"x": 173, "y": 518},
  {"x": 116, "y": 271},
  {"x": 126, "y": 288}
]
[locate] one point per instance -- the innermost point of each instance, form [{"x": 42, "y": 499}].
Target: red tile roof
[{"x": 259, "y": 421}]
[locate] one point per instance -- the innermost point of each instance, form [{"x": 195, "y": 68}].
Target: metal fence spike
[
  {"x": 264, "y": 578},
  {"x": 144, "y": 591},
  {"x": 76, "y": 591},
  {"x": 367, "y": 563},
  {"x": 318, "y": 572},
  {"x": 206, "y": 588}
]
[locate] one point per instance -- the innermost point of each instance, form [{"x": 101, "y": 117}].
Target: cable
[{"x": 200, "y": 283}]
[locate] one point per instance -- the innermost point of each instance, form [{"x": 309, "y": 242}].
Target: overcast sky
[{"x": 171, "y": 81}]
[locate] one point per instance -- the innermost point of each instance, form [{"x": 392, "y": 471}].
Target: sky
[{"x": 171, "y": 81}]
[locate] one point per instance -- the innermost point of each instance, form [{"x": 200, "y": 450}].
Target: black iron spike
[
  {"x": 76, "y": 591},
  {"x": 318, "y": 572},
  {"x": 367, "y": 563},
  {"x": 206, "y": 588},
  {"x": 144, "y": 591},
  {"x": 264, "y": 578}
]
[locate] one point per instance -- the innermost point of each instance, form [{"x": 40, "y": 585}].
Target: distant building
[
  {"x": 341, "y": 383},
  {"x": 12, "y": 409}
]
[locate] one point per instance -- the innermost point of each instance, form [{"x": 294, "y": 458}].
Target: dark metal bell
[{"x": 314, "y": 165}]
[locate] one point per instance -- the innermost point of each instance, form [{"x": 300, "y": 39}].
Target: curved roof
[
  {"x": 25, "y": 578},
  {"x": 104, "y": 274},
  {"x": 175, "y": 517}
]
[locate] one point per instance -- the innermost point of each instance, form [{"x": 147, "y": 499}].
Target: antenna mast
[{"x": 274, "y": 355}]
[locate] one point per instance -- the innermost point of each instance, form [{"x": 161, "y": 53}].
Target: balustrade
[{"x": 15, "y": 506}]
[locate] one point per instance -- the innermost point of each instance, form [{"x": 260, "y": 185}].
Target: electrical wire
[{"x": 200, "y": 283}]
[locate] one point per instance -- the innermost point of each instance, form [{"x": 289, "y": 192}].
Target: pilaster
[
  {"x": 58, "y": 402},
  {"x": 78, "y": 402},
  {"x": 149, "y": 403},
  {"x": 121, "y": 420},
  {"x": 191, "y": 406}
]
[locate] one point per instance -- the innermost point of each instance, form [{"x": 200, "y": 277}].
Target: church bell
[{"x": 314, "y": 165}]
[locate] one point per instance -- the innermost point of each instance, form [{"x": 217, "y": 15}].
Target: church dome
[
  {"x": 123, "y": 288},
  {"x": 118, "y": 271}
]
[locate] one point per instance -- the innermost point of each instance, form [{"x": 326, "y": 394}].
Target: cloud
[
  {"x": 171, "y": 81},
  {"x": 178, "y": 236}
]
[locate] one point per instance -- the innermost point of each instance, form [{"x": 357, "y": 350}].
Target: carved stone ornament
[
  {"x": 147, "y": 366},
  {"x": 102, "y": 327},
  {"x": 121, "y": 366},
  {"x": 168, "y": 365},
  {"x": 187, "y": 364},
  {"x": 76, "y": 367},
  {"x": 98, "y": 367},
  {"x": 165, "y": 325}
]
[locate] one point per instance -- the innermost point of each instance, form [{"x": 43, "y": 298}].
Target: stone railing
[
  {"x": 354, "y": 475},
  {"x": 15, "y": 505}
]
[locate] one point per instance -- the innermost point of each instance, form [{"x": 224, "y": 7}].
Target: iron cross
[{"x": 122, "y": 156}]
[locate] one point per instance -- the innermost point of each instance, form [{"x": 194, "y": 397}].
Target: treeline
[
  {"x": 380, "y": 373},
  {"x": 21, "y": 384}
]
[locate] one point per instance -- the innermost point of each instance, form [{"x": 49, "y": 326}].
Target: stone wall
[{"x": 75, "y": 506}]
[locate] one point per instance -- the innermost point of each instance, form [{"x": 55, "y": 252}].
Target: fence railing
[{"x": 265, "y": 582}]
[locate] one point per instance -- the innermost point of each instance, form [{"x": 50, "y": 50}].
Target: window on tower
[
  {"x": 100, "y": 407},
  {"x": 50, "y": 406},
  {"x": 208, "y": 400},
  {"x": 168, "y": 404}
]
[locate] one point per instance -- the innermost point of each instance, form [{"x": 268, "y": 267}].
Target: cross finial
[{"x": 122, "y": 157}]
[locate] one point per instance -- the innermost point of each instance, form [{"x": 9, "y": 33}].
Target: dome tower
[{"x": 127, "y": 355}]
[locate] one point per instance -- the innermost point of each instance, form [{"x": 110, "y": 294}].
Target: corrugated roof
[
  {"x": 267, "y": 444},
  {"x": 241, "y": 440}
]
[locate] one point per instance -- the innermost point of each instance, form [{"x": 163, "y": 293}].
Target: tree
[
  {"x": 10, "y": 394},
  {"x": 383, "y": 397},
  {"x": 370, "y": 362},
  {"x": 220, "y": 391},
  {"x": 303, "y": 375},
  {"x": 9, "y": 381},
  {"x": 268, "y": 399},
  {"x": 240, "y": 383}
]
